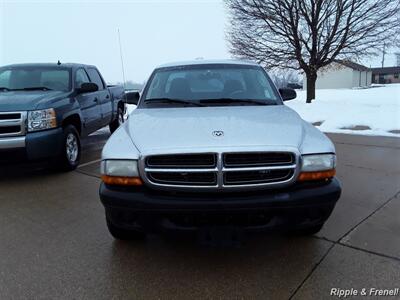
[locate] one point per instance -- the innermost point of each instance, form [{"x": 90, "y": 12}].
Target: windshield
[
  {"x": 210, "y": 84},
  {"x": 28, "y": 78}
]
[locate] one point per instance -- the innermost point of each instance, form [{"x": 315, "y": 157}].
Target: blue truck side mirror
[
  {"x": 132, "y": 97},
  {"x": 87, "y": 87}
]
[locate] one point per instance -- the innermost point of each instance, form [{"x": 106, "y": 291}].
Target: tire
[
  {"x": 71, "y": 151},
  {"x": 124, "y": 234},
  {"x": 118, "y": 121},
  {"x": 307, "y": 231}
]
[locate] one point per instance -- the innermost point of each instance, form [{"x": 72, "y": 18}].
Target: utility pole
[
  {"x": 383, "y": 54},
  {"x": 122, "y": 60}
]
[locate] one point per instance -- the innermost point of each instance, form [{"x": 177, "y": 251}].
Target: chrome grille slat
[
  {"x": 259, "y": 168},
  {"x": 262, "y": 174},
  {"x": 180, "y": 170},
  {"x": 10, "y": 122}
]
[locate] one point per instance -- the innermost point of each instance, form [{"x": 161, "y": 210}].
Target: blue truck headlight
[{"x": 42, "y": 119}]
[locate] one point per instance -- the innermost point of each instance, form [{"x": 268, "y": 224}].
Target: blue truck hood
[{"x": 28, "y": 100}]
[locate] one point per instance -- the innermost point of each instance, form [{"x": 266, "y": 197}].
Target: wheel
[
  {"x": 118, "y": 121},
  {"x": 71, "y": 150},
  {"x": 124, "y": 234},
  {"x": 308, "y": 230}
]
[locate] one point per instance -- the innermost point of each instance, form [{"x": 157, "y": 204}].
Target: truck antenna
[
  {"x": 58, "y": 63},
  {"x": 122, "y": 60}
]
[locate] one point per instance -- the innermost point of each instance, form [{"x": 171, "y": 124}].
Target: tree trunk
[{"x": 311, "y": 79}]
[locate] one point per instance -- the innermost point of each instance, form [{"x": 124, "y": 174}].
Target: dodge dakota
[
  {"x": 46, "y": 108},
  {"x": 210, "y": 145}
]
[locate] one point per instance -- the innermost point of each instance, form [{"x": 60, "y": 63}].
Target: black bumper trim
[{"x": 301, "y": 206}]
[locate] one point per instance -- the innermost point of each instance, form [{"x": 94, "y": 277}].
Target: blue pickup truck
[{"x": 45, "y": 110}]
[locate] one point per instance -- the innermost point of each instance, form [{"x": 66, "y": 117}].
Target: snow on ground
[{"x": 372, "y": 111}]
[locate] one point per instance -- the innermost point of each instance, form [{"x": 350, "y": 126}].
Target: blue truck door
[
  {"x": 104, "y": 97},
  {"x": 89, "y": 104}
]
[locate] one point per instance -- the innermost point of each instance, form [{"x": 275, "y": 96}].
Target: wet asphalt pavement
[{"x": 54, "y": 243}]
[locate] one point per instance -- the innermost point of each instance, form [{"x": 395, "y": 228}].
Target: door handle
[
  {"x": 108, "y": 97},
  {"x": 96, "y": 100}
]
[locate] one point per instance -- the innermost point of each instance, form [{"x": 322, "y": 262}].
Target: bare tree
[{"x": 310, "y": 34}]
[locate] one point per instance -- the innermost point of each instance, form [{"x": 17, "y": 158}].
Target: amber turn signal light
[
  {"x": 321, "y": 175},
  {"x": 116, "y": 180}
]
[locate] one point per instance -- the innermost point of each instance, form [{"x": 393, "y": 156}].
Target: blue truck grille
[{"x": 12, "y": 123}]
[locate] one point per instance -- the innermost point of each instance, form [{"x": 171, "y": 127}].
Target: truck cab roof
[{"x": 62, "y": 65}]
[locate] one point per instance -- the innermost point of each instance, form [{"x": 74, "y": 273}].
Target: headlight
[
  {"x": 120, "y": 172},
  {"x": 317, "y": 167},
  {"x": 126, "y": 168},
  {"x": 41, "y": 119},
  {"x": 320, "y": 162}
]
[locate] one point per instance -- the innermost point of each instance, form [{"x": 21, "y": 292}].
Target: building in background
[
  {"x": 386, "y": 75},
  {"x": 342, "y": 75}
]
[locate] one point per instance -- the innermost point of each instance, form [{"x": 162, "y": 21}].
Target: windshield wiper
[
  {"x": 170, "y": 100},
  {"x": 34, "y": 88},
  {"x": 233, "y": 100},
  {"x": 4, "y": 89}
]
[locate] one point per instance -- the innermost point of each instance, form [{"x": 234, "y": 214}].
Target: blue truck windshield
[{"x": 26, "y": 78}]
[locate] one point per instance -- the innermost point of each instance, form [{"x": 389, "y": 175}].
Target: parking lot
[{"x": 54, "y": 243}]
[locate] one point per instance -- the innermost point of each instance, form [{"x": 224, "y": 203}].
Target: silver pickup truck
[{"x": 211, "y": 144}]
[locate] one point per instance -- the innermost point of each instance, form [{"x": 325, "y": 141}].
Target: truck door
[
  {"x": 104, "y": 97},
  {"x": 88, "y": 102}
]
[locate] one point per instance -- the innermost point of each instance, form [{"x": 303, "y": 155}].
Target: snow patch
[{"x": 353, "y": 110}]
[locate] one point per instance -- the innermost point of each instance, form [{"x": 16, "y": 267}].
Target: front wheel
[
  {"x": 71, "y": 151},
  {"x": 118, "y": 121}
]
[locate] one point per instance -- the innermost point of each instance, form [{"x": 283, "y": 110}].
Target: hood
[
  {"x": 169, "y": 129},
  {"x": 27, "y": 100}
]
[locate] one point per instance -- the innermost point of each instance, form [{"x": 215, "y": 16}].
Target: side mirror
[
  {"x": 132, "y": 97},
  {"x": 287, "y": 94},
  {"x": 87, "y": 87}
]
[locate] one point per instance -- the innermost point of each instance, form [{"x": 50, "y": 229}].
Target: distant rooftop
[
  {"x": 386, "y": 70},
  {"x": 352, "y": 65}
]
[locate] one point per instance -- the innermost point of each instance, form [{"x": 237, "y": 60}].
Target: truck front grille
[
  {"x": 255, "y": 177},
  {"x": 183, "y": 178},
  {"x": 258, "y": 159},
  {"x": 12, "y": 123},
  {"x": 182, "y": 161},
  {"x": 220, "y": 170},
  {"x": 10, "y": 129}
]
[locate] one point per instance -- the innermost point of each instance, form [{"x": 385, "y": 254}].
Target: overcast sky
[{"x": 152, "y": 33}]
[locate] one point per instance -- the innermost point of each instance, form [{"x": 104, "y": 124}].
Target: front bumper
[
  {"x": 34, "y": 146},
  {"x": 300, "y": 205}
]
